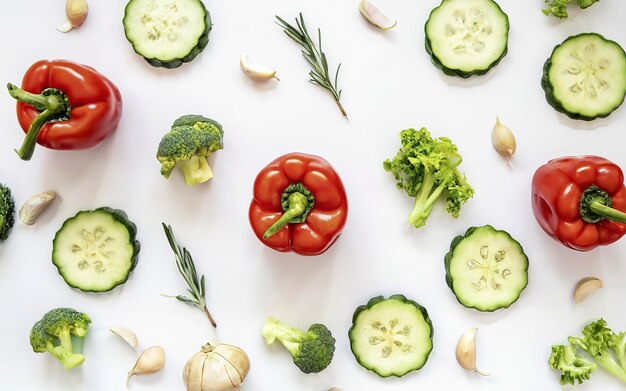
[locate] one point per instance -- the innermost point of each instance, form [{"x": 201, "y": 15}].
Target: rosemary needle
[
  {"x": 314, "y": 56},
  {"x": 187, "y": 269}
]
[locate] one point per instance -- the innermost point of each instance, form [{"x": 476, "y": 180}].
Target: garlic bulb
[
  {"x": 127, "y": 335},
  {"x": 466, "y": 352},
  {"x": 151, "y": 360},
  {"x": 216, "y": 368},
  {"x": 374, "y": 16},
  {"x": 34, "y": 206}
]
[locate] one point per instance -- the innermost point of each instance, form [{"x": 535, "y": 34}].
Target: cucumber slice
[
  {"x": 96, "y": 250},
  {"x": 391, "y": 337},
  {"x": 486, "y": 269},
  {"x": 585, "y": 77},
  {"x": 167, "y": 33},
  {"x": 467, "y": 37}
]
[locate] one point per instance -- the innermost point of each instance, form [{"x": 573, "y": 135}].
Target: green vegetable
[
  {"x": 605, "y": 348},
  {"x": 558, "y": 8},
  {"x": 188, "y": 144},
  {"x": 585, "y": 77},
  {"x": 7, "y": 211},
  {"x": 167, "y": 33},
  {"x": 467, "y": 37},
  {"x": 96, "y": 250},
  {"x": 426, "y": 168},
  {"x": 60, "y": 332},
  {"x": 187, "y": 269},
  {"x": 391, "y": 336},
  {"x": 312, "y": 351},
  {"x": 486, "y": 268}
]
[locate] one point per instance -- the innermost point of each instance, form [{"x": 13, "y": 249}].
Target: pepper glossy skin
[
  {"x": 580, "y": 201},
  {"x": 93, "y": 101},
  {"x": 303, "y": 182}
]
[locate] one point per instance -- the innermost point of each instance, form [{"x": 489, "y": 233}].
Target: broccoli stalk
[
  {"x": 426, "y": 168},
  {"x": 312, "y": 351},
  {"x": 188, "y": 144},
  {"x": 605, "y": 347},
  {"x": 7, "y": 212},
  {"x": 54, "y": 334}
]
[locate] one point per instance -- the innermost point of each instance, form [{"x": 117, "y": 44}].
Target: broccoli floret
[
  {"x": 600, "y": 342},
  {"x": 426, "y": 168},
  {"x": 191, "y": 140},
  {"x": 558, "y": 8},
  {"x": 574, "y": 367},
  {"x": 312, "y": 351},
  {"x": 7, "y": 211},
  {"x": 586, "y": 3},
  {"x": 54, "y": 333}
]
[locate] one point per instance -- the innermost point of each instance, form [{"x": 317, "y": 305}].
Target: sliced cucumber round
[
  {"x": 467, "y": 37},
  {"x": 486, "y": 269},
  {"x": 96, "y": 250},
  {"x": 585, "y": 77},
  {"x": 391, "y": 337},
  {"x": 167, "y": 33}
]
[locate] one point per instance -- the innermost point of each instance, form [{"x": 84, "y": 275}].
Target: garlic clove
[
  {"x": 373, "y": 15},
  {"x": 466, "y": 352},
  {"x": 255, "y": 71},
  {"x": 34, "y": 206},
  {"x": 127, "y": 335},
  {"x": 503, "y": 140},
  {"x": 584, "y": 287},
  {"x": 76, "y": 11},
  {"x": 149, "y": 361}
]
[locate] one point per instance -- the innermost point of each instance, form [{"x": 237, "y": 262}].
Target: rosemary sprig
[
  {"x": 187, "y": 269},
  {"x": 314, "y": 56}
]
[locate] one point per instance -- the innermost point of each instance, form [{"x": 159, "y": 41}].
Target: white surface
[{"x": 389, "y": 84}]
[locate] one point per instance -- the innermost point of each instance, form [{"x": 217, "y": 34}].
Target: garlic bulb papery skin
[{"x": 221, "y": 367}]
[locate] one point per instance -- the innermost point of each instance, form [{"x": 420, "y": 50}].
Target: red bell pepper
[
  {"x": 64, "y": 105},
  {"x": 299, "y": 205},
  {"x": 580, "y": 201}
]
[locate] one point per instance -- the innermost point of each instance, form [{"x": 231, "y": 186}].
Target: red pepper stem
[
  {"x": 298, "y": 203},
  {"x": 53, "y": 105},
  {"x": 607, "y": 212}
]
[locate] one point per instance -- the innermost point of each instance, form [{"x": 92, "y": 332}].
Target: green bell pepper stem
[
  {"x": 596, "y": 205},
  {"x": 53, "y": 105},
  {"x": 297, "y": 206}
]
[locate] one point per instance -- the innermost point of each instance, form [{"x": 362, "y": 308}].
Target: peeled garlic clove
[
  {"x": 503, "y": 140},
  {"x": 127, "y": 335},
  {"x": 76, "y": 11},
  {"x": 255, "y": 71},
  {"x": 585, "y": 287},
  {"x": 466, "y": 352},
  {"x": 34, "y": 206},
  {"x": 151, "y": 360},
  {"x": 374, "y": 16}
]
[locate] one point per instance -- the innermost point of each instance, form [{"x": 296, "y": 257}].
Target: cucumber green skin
[
  {"x": 203, "y": 41},
  {"x": 370, "y": 304},
  {"x": 547, "y": 85},
  {"x": 457, "y": 72},
  {"x": 119, "y": 216},
  {"x": 448, "y": 259}
]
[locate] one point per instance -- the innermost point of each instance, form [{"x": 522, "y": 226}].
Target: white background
[{"x": 389, "y": 84}]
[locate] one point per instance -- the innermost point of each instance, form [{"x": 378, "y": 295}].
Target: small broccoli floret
[
  {"x": 312, "y": 351},
  {"x": 7, "y": 211},
  {"x": 586, "y": 3},
  {"x": 54, "y": 332},
  {"x": 191, "y": 140},
  {"x": 426, "y": 168},
  {"x": 557, "y": 8},
  {"x": 574, "y": 368}
]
